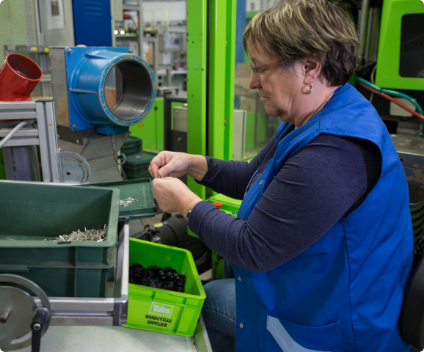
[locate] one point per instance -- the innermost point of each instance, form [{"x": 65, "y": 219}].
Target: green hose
[
  {"x": 395, "y": 94},
  {"x": 392, "y": 93}
]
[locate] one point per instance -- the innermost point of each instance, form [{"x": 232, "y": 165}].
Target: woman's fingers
[{"x": 158, "y": 162}]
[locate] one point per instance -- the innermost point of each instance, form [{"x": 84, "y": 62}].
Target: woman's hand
[
  {"x": 172, "y": 195},
  {"x": 175, "y": 164}
]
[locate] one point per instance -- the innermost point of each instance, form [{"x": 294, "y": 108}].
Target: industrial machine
[
  {"x": 390, "y": 72},
  {"x": 98, "y": 94}
]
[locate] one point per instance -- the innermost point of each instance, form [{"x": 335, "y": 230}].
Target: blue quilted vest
[{"x": 344, "y": 293}]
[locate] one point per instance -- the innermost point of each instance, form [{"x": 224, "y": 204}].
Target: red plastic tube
[
  {"x": 18, "y": 77},
  {"x": 388, "y": 97}
]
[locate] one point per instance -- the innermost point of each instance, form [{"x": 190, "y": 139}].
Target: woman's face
[{"x": 280, "y": 89}]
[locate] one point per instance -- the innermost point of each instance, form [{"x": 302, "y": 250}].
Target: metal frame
[
  {"x": 140, "y": 34},
  {"x": 44, "y": 135}
]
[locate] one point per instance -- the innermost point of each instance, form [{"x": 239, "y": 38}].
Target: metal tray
[{"x": 140, "y": 189}]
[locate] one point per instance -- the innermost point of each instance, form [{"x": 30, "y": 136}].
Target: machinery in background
[
  {"x": 99, "y": 93},
  {"x": 18, "y": 77},
  {"x": 391, "y": 71}
]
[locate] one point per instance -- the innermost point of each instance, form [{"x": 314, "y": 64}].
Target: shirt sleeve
[
  {"x": 232, "y": 177},
  {"x": 311, "y": 192}
]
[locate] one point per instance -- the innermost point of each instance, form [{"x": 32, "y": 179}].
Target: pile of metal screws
[
  {"x": 88, "y": 235},
  {"x": 128, "y": 201}
]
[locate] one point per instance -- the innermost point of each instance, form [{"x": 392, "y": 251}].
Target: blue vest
[{"x": 344, "y": 293}]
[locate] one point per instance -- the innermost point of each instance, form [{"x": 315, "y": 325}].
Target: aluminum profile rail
[{"x": 44, "y": 135}]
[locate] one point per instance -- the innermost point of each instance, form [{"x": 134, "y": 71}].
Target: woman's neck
[{"x": 312, "y": 104}]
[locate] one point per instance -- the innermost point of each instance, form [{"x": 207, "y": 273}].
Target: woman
[{"x": 322, "y": 245}]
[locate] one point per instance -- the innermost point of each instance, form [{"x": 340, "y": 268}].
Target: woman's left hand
[{"x": 172, "y": 195}]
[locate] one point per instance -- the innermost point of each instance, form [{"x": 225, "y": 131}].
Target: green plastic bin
[
  {"x": 160, "y": 310},
  {"x": 132, "y": 145},
  {"x": 137, "y": 165},
  {"x": 33, "y": 214}
]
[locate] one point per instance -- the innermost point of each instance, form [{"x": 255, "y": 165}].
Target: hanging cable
[
  {"x": 392, "y": 92},
  {"x": 372, "y": 81},
  {"x": 397, "y": 102},
  {"x": 16, "y": 129}
]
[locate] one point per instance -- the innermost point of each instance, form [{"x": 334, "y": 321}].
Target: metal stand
[
  {"x": 55, "y": 166},
  {"x": 44, "y": 135}
]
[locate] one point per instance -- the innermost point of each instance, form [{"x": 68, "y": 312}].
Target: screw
[
  {"x": 74, "y": 126},
  {"x": 36, "y": 326},
  {"x": 69, "y": 51},
  {"x": 5, "y": 316},
  {"x": 130, "y": 50},
  {"x": 77, "y": 141},
  {"x": 123, "y": 317},
  {"x": 180, "y": 139}
]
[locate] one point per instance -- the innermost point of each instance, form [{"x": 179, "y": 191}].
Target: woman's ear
[{"x": 311, "y": 70}]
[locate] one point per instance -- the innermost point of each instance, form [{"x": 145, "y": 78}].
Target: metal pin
[{"x": 5, "y": 315}]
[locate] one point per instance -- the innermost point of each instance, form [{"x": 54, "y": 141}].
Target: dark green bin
[
  {"x": 137, "y": 165},
  {"x": 132, "y": 145},
  {"x": 140, "y": 189},
  {"x": 33, "y": 212}
]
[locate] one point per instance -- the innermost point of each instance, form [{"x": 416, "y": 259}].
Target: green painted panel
[
  {"x": 150, "y": 127},
  {"x": 230, "y": 78},
  {"x": 150, "y": 130},
  {"x": 196, "y": 83},
  {"x": 387, "y": 75},
  {"x": 217, "y": 87}
]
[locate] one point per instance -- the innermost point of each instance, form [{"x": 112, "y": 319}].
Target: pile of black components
[
  {"x": 155, "y": 277},
  {"x": 172, "y": 231}
]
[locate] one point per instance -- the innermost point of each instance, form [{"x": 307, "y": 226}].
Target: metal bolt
[
  {"x": 5, "y": 316},
  {"x": 130, "y": 50},
  {"x": 180, "y": 139},
  {"x": 36, "y": 326},
  {"x": 77, "y": 141},
  {"x": 69, "y": 51},
  {"x": 74, "y": 126},
  {"x": 241, "y": 325},
  {"x": 261, "y": 183},
  {"x": 239, "y": 278},
  {"x": 123, "y": 317}
]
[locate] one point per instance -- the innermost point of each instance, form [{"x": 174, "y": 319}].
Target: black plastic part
[
  {"x": 411, "y": 320},
  {"x": 40, "y": 319}
]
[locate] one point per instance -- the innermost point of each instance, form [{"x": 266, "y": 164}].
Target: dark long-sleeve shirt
[{"x": 324, "y": 181}]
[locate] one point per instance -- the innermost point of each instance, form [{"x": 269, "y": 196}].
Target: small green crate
[
  {"x": 160, "y": 310},
  {"x": 137, "y": 165},
  {"x": 33, "y": 212},
  {"x": 132, "y": 145}
]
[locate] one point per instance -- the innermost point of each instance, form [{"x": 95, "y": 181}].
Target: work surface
[{"x": 116, "y": 339}]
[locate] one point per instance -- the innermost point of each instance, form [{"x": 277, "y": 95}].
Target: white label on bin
[{"x": 161, "y": 309}]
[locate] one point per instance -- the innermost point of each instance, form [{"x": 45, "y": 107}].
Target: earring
[{"x": 308, "y": 89}]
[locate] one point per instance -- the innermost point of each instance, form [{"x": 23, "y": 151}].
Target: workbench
[{"x": 116, "y": 339}]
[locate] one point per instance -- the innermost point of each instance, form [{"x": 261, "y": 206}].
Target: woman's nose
[{"x": 254, "y": 83}]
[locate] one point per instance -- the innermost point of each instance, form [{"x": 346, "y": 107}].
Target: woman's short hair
[{"x": 298, "y": 29}]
